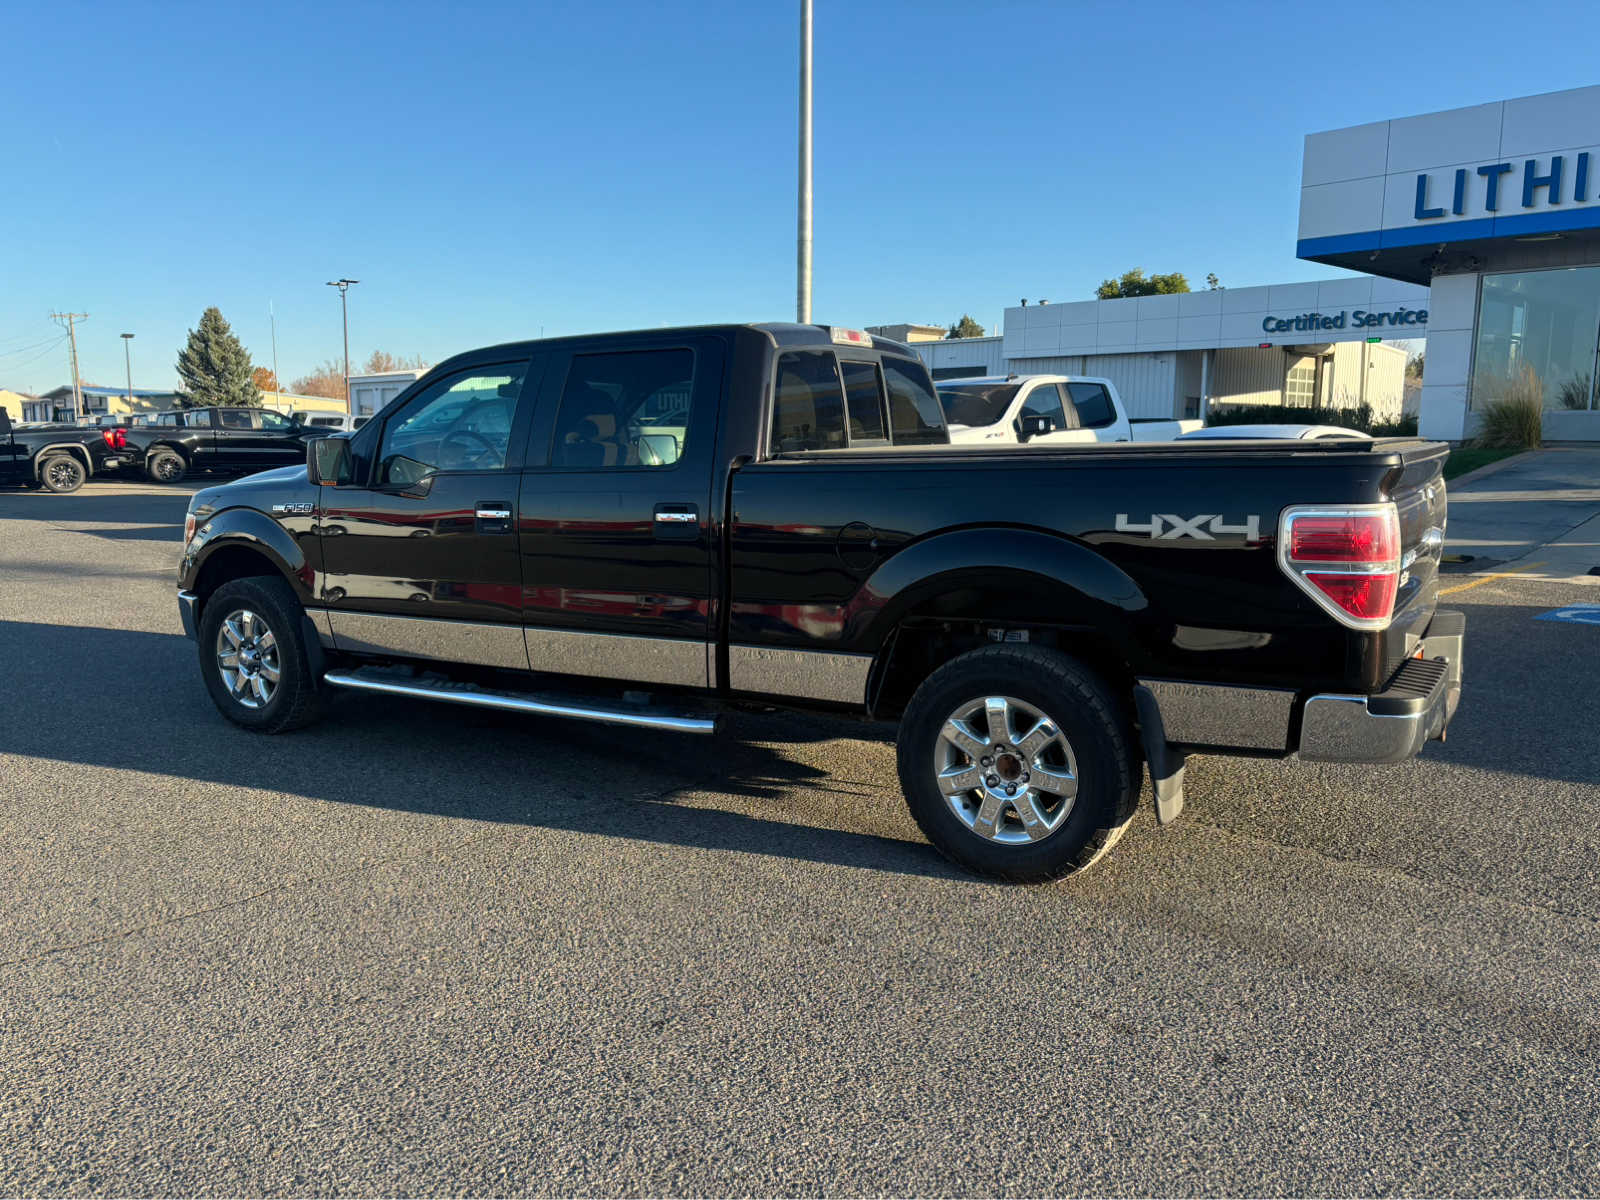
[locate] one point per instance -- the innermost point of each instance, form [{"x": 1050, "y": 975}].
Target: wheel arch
[
  {"x": 76, "y": 449},
  {"x": 237, "y": 543},
  {"x": 972, "y": 587}
]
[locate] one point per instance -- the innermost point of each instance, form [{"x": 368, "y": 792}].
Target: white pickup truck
[{"x": 1045, "y": 410}]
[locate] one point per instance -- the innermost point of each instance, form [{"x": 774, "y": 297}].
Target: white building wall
[{"x": 982, "y": 353}]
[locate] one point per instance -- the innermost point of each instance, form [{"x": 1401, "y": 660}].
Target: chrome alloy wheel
[
  {"x": 247, "y": 657},
  {"x": 1006, "y": 770}
]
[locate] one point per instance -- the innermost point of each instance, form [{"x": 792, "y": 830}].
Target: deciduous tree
[{"x": 1136, "y": 283}]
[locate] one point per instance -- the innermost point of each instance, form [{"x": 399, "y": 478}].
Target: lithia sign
[{"x": 1350, "y": 318}]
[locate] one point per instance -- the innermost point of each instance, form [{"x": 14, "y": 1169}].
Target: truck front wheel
[
  {"x": 1016, "y": 764},
  {"x": 253, "y": 656}
]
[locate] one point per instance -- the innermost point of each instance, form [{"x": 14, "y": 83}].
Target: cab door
[
  {"x": 420, "y": 557},
  {"x": 13, "y": 458},
  {"x": 1045, "y": 400},
  {"x": 614, "y": 513}
]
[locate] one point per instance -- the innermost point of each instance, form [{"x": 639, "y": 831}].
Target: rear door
[
  {"x": 278, "y": 443},
  {"x": 1094, "y": 412},
  {"x": 13, "y": 458},
  {"x": 614, "y": 513}
]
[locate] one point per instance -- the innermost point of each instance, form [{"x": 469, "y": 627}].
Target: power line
[
  {"x": 50, "y": 349},
  {"x": 52, "y": 339}
]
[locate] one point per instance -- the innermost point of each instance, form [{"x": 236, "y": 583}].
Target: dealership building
[
  {"x": 1318, "y": 344},
  {"x": 1476, "y": 228},
  {"x": 1497, "y": 209}
]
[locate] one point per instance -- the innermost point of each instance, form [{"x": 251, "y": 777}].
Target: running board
[{"x": 452, "y": 692}]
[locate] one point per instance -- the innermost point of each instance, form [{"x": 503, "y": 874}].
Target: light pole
[
  {"x": 803, "y": 255},
  {"x": 128, "y": 363},
  {"x": 344, "y": 287}
]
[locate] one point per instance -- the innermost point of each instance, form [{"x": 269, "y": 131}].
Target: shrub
[
  {"x": 1513, "y": 415},
  {"x": 1574, "y": 393},
  {"x": 1404, "y": 427},
  {"x": 1359, "y": 417}
]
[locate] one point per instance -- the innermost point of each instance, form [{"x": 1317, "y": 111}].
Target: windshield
[{"x": 974, "y": 404}]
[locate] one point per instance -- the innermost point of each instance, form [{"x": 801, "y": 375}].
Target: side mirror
[
  {"x": 657, "y": 449},
  {"x": 1035, "y": 425},
  {"x": 328, "y": 461}
]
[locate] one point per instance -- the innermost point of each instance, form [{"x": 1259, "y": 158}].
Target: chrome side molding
[{"x": 451, "y": 692}]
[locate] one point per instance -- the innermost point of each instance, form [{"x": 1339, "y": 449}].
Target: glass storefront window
[{"x": 1544, "y": 321}]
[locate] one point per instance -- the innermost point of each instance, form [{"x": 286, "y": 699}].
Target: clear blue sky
[{"x": 489, "y": 170}]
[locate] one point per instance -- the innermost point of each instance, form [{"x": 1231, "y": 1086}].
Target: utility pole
[
  {"x": 803, "y": 256},
  {"x": 344, "y": 287},
  {"x": 72, "y": 337},
  {"x": 127, "y": 363}
]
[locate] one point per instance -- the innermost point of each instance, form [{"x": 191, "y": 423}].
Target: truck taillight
[
  {"x": 116, "y": 437},
  {"x": 1346, "y": 559}
]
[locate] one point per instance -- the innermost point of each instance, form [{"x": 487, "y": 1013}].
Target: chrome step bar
[{"x": 452, "y": 692}]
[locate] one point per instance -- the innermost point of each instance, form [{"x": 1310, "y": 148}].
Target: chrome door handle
[
  {"x": 669, "y": 517},
  {"x": 493, "y": 513}
]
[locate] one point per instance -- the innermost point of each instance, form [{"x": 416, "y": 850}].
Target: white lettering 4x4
[{"x": 1207, "y": 527}]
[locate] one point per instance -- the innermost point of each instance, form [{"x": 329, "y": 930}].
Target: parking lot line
[{"x": 1483, "y": 579}]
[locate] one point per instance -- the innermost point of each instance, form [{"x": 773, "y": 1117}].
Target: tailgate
[{"x": 1418, "y": 491}]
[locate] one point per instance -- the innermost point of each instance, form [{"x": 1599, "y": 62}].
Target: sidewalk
[{"x": 1550, "y": 496}]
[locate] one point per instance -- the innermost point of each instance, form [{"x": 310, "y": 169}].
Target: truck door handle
[
  {"x": 679, "y": 521},
  {"x": 493, "y": 516}
]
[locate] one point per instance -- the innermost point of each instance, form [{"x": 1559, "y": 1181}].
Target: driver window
[
  {"x": 625, "y": 410},
  {"x": 461, "y": 423},
  {"x": 274, "y": 421}
]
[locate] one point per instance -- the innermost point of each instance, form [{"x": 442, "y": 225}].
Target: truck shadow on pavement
[{"x": 134, "y": 701}]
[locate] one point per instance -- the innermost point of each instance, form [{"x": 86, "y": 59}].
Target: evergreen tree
[
  {"x": 965, "y": 328},
  {"x": 215, "y": 367}
]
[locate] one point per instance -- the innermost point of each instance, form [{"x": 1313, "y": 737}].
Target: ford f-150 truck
[
  {"x": 57, "y": 458},
  {"x": 649, "y": 529}
]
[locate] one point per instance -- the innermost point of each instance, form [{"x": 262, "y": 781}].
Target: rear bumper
[{"x": 1396, "y": 723}]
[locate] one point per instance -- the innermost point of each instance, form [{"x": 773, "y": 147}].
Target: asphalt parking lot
[{"x": 419, "y": 949}]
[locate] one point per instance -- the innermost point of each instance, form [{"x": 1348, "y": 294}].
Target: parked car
[
  {"x": 647, "y": 529},
  {"x": 58, "y": 458},
  {"x": 1299, "y": 432},
  {"x": 329, "y": 421},
  {"x": 1042, "y": 409},
  {"x": 216, "y": 439}
]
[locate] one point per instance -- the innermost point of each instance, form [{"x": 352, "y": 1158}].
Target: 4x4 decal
[{"x": 1207, "y": 527}]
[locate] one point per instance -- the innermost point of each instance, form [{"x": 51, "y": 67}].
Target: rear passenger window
[
  {"x": 625, "y": 410},
  {"x": 808, "y": 408},
  {"x": 863, "y": 397},
  {"x": 1095, "y": 410},
  {"x": 914, "y": 413}
]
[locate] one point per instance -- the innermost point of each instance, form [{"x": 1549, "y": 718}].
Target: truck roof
[{"x": 784, "y": 334}]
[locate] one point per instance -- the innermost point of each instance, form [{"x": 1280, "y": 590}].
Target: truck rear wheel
[
  {"x": 166, "y": 466},
  {"x": 253, "y": 656},
  {"x": 61, "y": 473},
  {"x": 1015, "y": 763}
]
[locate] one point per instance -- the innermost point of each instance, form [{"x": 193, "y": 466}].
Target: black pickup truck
[
  {"x": 216, "y": 439},
  {"x": 648, "y": 529},
  {"x": 58, "y": 458}
]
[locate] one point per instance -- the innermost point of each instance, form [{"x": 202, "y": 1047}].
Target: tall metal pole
[
  {"x": 277, "y": 383},
  {"x": 127, "y": 363},
  {"x": 803, "y": 257},
  {"x": 344, "y": 287}
]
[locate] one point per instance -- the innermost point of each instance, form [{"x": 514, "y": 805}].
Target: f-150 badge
[
  {"x": 294, "y": 507},
  {"x": 1207, "y": 527}
]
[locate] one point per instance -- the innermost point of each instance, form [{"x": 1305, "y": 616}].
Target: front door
[
  {"x": 615, "y": 519},
  {"x": 420, "y": 560}
]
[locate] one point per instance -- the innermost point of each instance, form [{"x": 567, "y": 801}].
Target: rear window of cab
[{"x": 824, "y": 400}]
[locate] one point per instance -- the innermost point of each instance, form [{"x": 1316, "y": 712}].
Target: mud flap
[{"x": 1165, "y": 763}]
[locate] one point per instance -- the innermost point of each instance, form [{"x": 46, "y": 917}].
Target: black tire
[
  {"x": 296, "y": 696},
  {"x": 1097, "y": 741},
  {"x": 61, "y": 473},
  {"x": 166, "y": 466}
]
